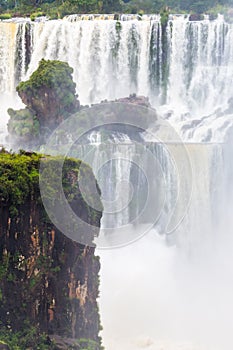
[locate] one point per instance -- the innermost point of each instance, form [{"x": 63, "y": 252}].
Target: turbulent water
[{"x": 168, "y": 291}]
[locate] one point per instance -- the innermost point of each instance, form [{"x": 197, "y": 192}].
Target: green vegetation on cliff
[
  {"x": 19, "y": 178},
  {"x": 60, "y": 8},
  {"x": 48, "y": 283}
]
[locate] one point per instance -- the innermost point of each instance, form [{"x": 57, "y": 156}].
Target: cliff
[{"x": 48, "y": 283}]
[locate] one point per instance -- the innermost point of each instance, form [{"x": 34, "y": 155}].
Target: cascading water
[
  {"x": 152, "y": 296},
  {"x": 185, "y": 66}
]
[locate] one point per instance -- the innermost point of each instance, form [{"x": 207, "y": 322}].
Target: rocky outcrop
[
  {"x": 50, "y": 98},
  {"x": 196, "y": 17},
  {"x": 50, "y": 92},
  {"x": 112, "y": 116},
  {"x": 47, "y": 281},
  {"x": 136, "y": 100}
]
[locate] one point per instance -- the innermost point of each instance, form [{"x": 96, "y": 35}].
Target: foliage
[
  {"x": 60, "y": 8},
  {"x": 34, "y": 259},
  {"x": 19, "y": 177},
  {"x": 5, "y": 16},
  {"x": 164, "y": 15},
  {"x": 200, "y": 6},
  {"x": 51, "y": 74},
  {"x": 28, "y": 338},
  {"x": 23, "y": 123},
  {"x": 111, "y": 6},
  {"x": 34, "y": 15},
  {"x": 87, "y": 344},
  {"x": 155, "y": 6}
]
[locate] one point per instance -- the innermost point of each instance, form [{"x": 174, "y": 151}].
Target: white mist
[
  {"x": 179, "y": 297},
  {"x": 157, "y": 297}
]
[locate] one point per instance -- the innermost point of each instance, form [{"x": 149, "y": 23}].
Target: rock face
[{"x": 47, "y": 280}]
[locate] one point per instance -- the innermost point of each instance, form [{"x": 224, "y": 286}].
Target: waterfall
[
  {"x": 148, "y": 186},
  {"x": 184, "y": 68},
  {"x": 167, "y": 298},
  {"x": 179, "y": 297}
]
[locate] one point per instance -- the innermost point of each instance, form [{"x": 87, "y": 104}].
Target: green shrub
[
  {"x": 164, "y": 16},
  {"x": 34, "y": 15},
  {"x": 141, "y": 13},
  {"x": 53, "y": 14},
  {"x": 28, "y": 338},
  {"x": 23, "y": 123},
  {"x": 5, "y": 16}
]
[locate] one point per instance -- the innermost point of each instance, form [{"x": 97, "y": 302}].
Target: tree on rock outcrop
[{"x": 50, "y": 97}]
